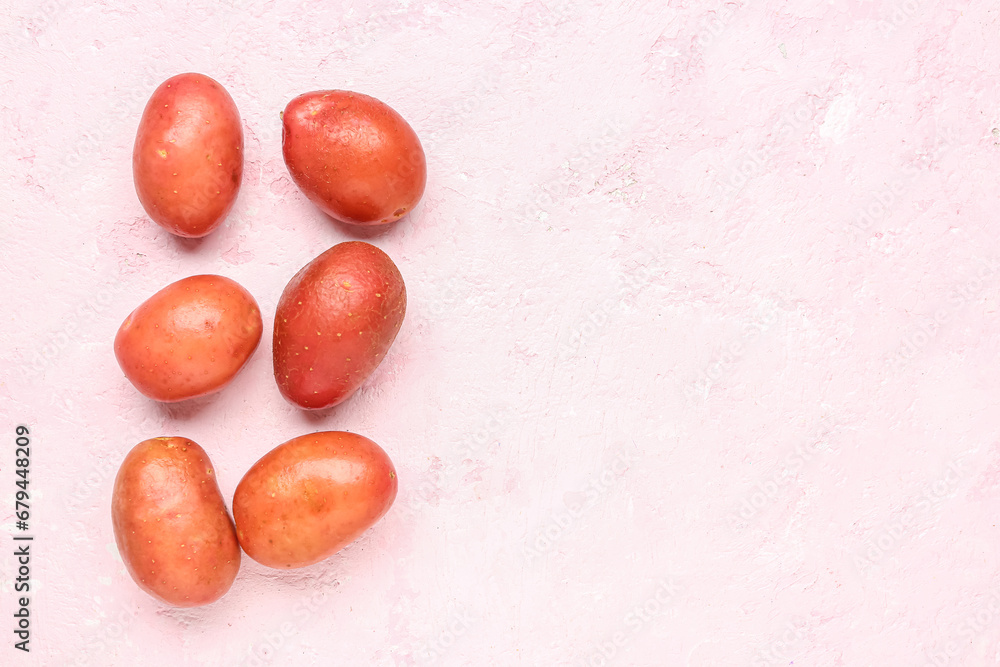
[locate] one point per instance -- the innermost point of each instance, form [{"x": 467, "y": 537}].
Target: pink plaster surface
[{"x": 700, "y": 360}]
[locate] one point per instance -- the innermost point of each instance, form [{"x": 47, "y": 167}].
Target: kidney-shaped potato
[
  {"x": 189, "y": 339},
  {"x": 309, "y": 497},
  {"x": 171, "y": 524}
]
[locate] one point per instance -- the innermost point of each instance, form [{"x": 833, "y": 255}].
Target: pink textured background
[{"x": 699, "y": 364}]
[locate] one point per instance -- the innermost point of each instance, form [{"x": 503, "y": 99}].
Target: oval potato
[
  {"x": 308, "y": 498},
  {"x": 353, "y": 156},
  {"x": 187, "y": 162},
  {"x": 171, "y": 525},
  {"x": 334, "y": 323},
  {"x": 189, "y": 339}
]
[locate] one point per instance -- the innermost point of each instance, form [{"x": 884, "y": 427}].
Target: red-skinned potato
[
  {"x": 189, "y": 339},
  {"x": 334, "y": 323},
  {"x": 187, "y": 162},
  {"x": 311, "y": 496},
  {"x": 353, "y": 156},
  {"x": 171, "y": 524}
]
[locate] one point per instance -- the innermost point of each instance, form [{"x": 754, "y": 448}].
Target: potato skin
[
  {"x": 187, "y": 162},
  {"x": 334, "y": 323},
  {"x": 353, "y": 156},
  {"x": 171, "y": 525},
  {"x": 308, "y": 498},
  {"x": 189, "y": 339}
]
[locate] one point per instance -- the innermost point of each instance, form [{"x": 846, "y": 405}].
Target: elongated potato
[
  {"x": 171, "y": 524},
  {"x": 308, "y": 498},
  {"x": 187, "y": 162},
  {"x": 334, "y": 323}
]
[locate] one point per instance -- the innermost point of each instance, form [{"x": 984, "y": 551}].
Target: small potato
[
  {"x": 171, "y": 524},
  {"x": 189, "y": 339},
  {"x": 334, "y": 323},
  {"x": 311, "y": 496},
  {"x": 353, "y": 156},
  {"x": 187, "y": 162}
]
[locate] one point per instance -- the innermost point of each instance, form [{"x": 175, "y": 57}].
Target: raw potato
[
  {"x": 187, "y": 162},
  {"x": 311, "y": 496},
  {"x": 353, "y": 156},
  {"x": 171, "y": 524},
  {"x": 335, "y": 321},
  {"x": 189, "y": 339}
]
